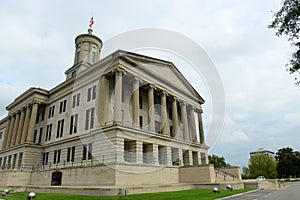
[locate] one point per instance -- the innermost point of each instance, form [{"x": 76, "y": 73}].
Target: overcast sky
[{"x": 262, "y": 102}]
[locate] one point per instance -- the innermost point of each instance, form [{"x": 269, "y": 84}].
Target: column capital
[
  {"x": 174, "y": 98},
  {"x": 163, "y": 92},
  {"x": 119, "y": 70},
  {"x": 152, "y": 86}
]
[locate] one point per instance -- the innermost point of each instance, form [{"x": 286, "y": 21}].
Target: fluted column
[
  {"x": 21, "y": 123},
  {"x": 15, "y": 130},
  {"x": 201, "y": 129},
  {"x": 103, "y": 98},
  {"x": 184, "y": 121},
  {"x": 31, "y": 127},
  {"x": 135, "y": 102},
  {"x": 9, "y": 136},
  {"x": 26, "y": 124},
  {"x": 118, "y": 96},
  {"x": 6, "y": 132},
  {"x": 164, "y": 114},
  {"x": 151, "y": 108},
  {"x": 175, "y": 118},
  {"x": 193, "y": 134}
]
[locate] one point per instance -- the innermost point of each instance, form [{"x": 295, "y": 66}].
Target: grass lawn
[{"x": 179, "y": 195}]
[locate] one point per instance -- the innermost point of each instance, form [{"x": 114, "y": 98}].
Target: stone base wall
[
  {"x": 235, "y": 171},
  {"x": 197, "y": 174},
  {"x": 14, "y": 178}
]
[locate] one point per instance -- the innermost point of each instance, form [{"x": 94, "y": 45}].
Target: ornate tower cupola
[{"x": 87, "y": 52}]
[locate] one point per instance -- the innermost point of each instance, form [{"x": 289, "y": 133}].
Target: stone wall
[{"x": 197, "y": 174}]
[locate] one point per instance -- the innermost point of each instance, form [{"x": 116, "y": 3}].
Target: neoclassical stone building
[{"x": 123, "y": 120}]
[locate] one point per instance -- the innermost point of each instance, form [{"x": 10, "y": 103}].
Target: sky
[{"x": 261, "y": 107}]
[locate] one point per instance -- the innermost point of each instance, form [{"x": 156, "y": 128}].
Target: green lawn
[{"x": 187, "y": 194}]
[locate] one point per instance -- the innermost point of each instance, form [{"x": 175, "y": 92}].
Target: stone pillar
[
  {"x": 15, "y": 130},
  {"x": 190, "y": 157},
  {"x": 21, "y": 123},
  {"x": 31, "y": 127},
  {"x": 118, "y": 97},
  {"x": 103, "y": 101},
  {"x": 184, "y": 121},
  {"x": 119, "y": 151},
  {"x": 155, "y": 154},
  {"x": 199, "y": 158},
  {"x": 9, "y": 136},
  {"x": 168, "y": 155},
  {"x": 26, "y": 124},
  {"x": 201, "y": 129},
  {"x": 180, "y": 157},
  {"x": 139, "y": 151},
  {"x": 151, "y": 108},
  {"x": 175, "y": 118},
  {"x": 6, "y": 132},
  {"x": 135, "y": 103},
  {"x": 164, "y": 115},
  {"x": 193, "y": 134}
]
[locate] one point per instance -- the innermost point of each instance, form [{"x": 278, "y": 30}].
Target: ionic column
[
  {"x": 201, "y": 129},
  {"x": 103, "y": 98},
  {"x": 151, "y": 108},
  {"x": 184, "y": 121},
  {"x": 21, "y": 123},
  {"x": 26, "y": 124},
  {"x": 164, "y": 114},
  {"x": 9, "y": 136},
  {"x": 31, "y": 127},
  {"x": 6, "y": 132},
  {"x": 193, "y": 135},
  {"x": 175, "y": 118},
  {"x": 135, "y": 102},
  {"x": 15, "y": 130},
  {"x": 118, "y": 96}
]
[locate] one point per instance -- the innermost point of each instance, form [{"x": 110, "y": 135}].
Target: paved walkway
[{"x": 291, "y": 192}]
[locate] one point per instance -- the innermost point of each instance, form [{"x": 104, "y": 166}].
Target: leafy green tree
[
  {"x": 262, "y": 165},
  {"x": 288, "y": 163},
  {"x": 245, "y": 172},
  {"x": 287, "y": 22},
  {"x": 218, "y": 162}
]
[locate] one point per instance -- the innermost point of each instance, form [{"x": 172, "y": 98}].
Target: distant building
[{"x": 262, "y": 151}]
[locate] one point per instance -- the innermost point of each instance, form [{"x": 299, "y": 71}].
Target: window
[
  {"x": 56, "y": 158},
  {"x": 89, "y": 118},
  {"x": 73, "y": 124},
  {"x": 60, "y": 128},
  {"x": 51, "y": 111},
  {"x": 20, "y": 160},
  {"x": 1, "y": 135},
  {"x": 43, "y": 115},
  {"x": 48, "y": 132},
  {"x": 14, "y": 161},
  {"x": 157, "y": 126},
  {"x": 62, "y": 107},
  {"x": 91, "y": 95},
  {"x": 78, "y": 56},
  {"x": 45, "y": 158},
  {"x": 141, "y": 102},
  {"x": 141, "y": 122},
  {"x": 93, "y": 57},
  {"x": 87, "y": 151},
  {"x": 73, "y": 73},
  {"x": 40, "y": 136},
  {"x": 71, "y": 154},
  {"x": 76, "y": 100},
  {"x": 37, "y": 118}
]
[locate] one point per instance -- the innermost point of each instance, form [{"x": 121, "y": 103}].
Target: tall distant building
[
  {"x": 123, "y": 120},
  {"x": 262, "y": 151}
]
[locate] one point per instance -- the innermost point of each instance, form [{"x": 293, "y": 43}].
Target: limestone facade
[{"x": 125, "y": 119}]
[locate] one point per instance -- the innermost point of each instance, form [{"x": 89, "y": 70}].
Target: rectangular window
[
  {"x": 56, "y": 158},
  {"x": 14, "y": 161},
  {"x": 94, "y": 92},
  {"x": 45, "y": 158},
  {"x": 43, "y": 115},
  {"x": 73, "y": 124},
  {"x": 37, "y": 118},
  {"x": 62, "y": 107},
  {"x": 60, "y": 128},
  {"x": 89, "y": 118},
  {"x": 90, "y": 151},
  {"x": 93, "y": 57},
  {"x": 71, "y": 154},
  {"x": 89, "y": 94},
  {"x": 84, "y": 150},
  {"x": 40, "y": 136},
  {"x": 48, "y": 132},
  {"x": 141, "y": 102},
  {"x": 76, "y": 100},
  {"x": 20, "y": 160},
  {"x": 51, "y": 111},
  {"x": 141, "y": 122}
]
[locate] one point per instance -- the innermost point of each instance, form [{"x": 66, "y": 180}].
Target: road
[{"x": 291, "y": 192}]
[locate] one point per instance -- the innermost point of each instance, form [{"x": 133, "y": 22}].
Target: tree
[
  {"x": 287, "y": 21},
  {"x": 288, "y": 163},
  {"x": 218, "y": 162},
  {"x": 262, "y": 165},
  {"x": 246, "y": 172}
]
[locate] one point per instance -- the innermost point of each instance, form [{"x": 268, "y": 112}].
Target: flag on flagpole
[{"x": 91, "y": 22}]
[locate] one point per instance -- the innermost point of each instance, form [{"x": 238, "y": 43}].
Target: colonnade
[
  {"x": 187, "y": 111},
  {"x": 20, "y": 126}
]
